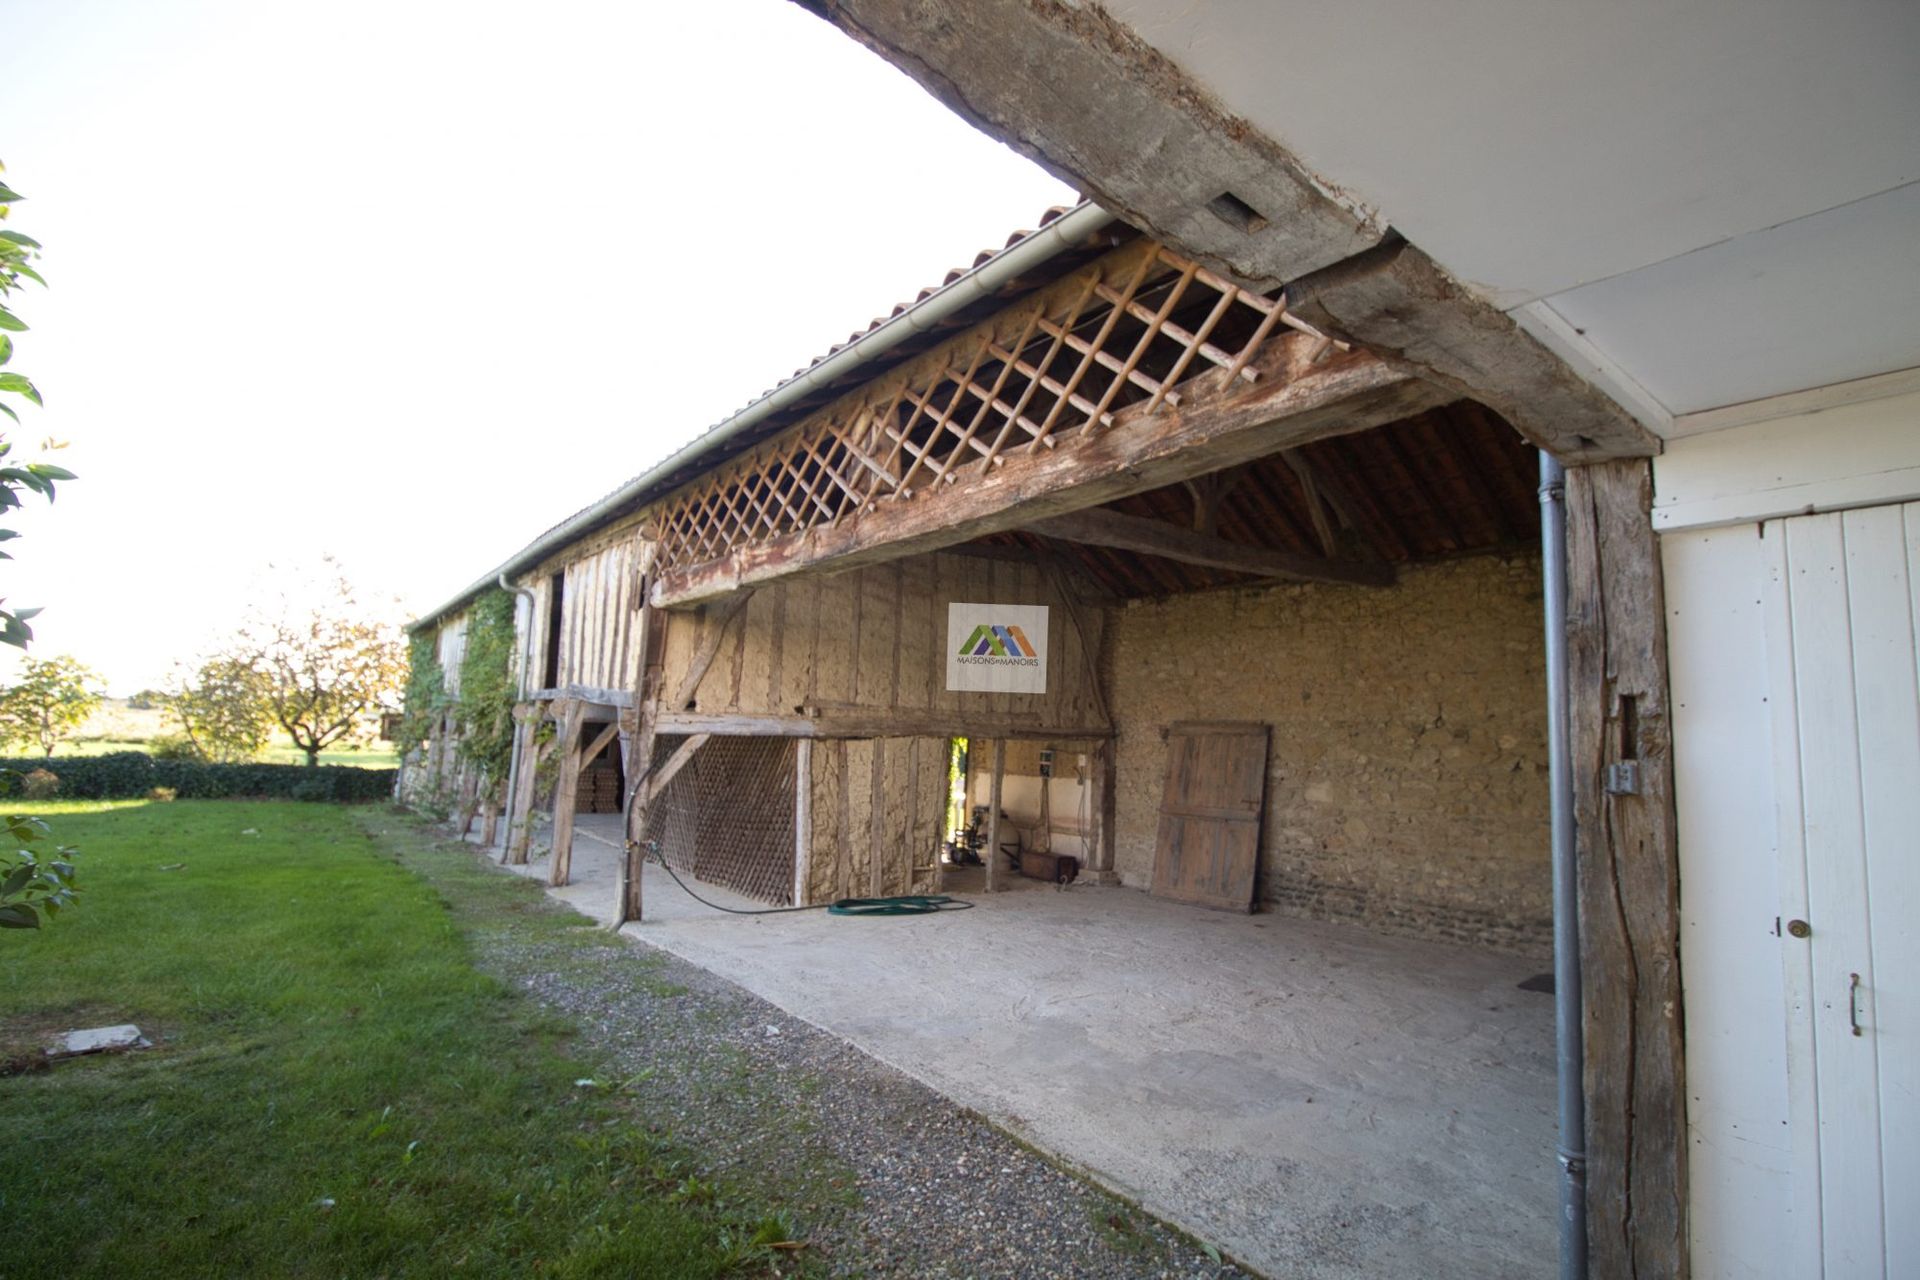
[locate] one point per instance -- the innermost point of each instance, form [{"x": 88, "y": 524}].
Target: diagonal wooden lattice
[
  {"x": 727, "y": 818},
  {"x": 1126, "y": 332}
]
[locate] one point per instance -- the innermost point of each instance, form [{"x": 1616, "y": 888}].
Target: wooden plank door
[
  {"x": 1842, "y": 603},
  {"x": 1208, "y": 846}
]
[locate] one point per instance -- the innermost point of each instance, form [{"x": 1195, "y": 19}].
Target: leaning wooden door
[
  {"x": 1841, "y": 605},
  {"x": 1208, "y": 846}
]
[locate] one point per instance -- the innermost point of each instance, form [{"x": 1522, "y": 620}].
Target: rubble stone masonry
[{"x": 1407, "y": 781}]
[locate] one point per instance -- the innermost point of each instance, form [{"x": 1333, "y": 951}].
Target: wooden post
[
  {"x": 802, "y": 818},
  {"x": 566, "y": 790},
  {"x": 520, "y": 829},
  {"x": 469, "y": 804},
  {"x": 1629, "y": 880},
  {"x": 490, "y": 818},
  {"x": 649, "y": 661},
  {"x": 1105, "y": 774},
  {"x": 993, "y": 813}
]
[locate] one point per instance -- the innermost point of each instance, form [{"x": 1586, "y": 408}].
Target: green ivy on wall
[
  {"x": 425, "y": 696},
  {"x": 487, "y": 688}
]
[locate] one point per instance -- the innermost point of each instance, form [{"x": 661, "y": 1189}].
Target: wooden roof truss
[{"x": 1137, "y": 327}]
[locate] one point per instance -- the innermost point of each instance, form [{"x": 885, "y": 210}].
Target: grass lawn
[{"x": 334, "y": 1090}]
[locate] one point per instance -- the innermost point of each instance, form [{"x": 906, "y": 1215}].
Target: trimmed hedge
[{"x": 129, "y": 775}]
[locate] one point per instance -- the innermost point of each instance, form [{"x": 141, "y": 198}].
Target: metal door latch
[{"x": 1853, "y": 1002}]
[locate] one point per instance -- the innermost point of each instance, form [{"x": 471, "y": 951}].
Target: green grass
[{"x": 335, "y": 1090}]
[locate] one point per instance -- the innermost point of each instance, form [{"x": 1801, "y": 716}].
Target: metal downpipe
[{"x": 1568, "y": 1043}]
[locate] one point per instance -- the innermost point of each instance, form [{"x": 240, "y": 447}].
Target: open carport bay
[{"x": 1314, "y": 1098}]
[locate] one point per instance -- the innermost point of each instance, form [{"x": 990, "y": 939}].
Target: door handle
[{"x": 1853, "y": 1002}]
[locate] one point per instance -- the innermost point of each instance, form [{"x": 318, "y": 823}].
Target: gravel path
[{"x": 881, "y": 1175}]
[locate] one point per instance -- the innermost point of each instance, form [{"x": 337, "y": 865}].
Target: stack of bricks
[{"x": 600, "y": 790}]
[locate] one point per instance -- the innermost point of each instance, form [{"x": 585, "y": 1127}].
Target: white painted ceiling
[{"x": 1708, "y": 201}]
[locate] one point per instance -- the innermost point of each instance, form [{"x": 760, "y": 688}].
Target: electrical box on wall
[{"x": 1046, "y": 763}]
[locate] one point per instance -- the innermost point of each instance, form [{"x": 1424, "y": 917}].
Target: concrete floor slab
[{"x": 1314, "y": 1099}]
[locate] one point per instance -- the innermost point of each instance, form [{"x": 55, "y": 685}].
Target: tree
[
  {"x": 329, "y": 670},
  {"x": 48, "y": 700},
  {"x": 17, "y": 255},
  {"x": 223, "y": 710},
  {"x": 34, "y": 884},
  {"x": 32, "y": 888}
]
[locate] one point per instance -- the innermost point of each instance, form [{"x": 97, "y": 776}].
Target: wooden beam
[
  {"x": 854, "y": 723},
  {"x": 526, "y": 781},
  {"x": 703, "y": 657},
  {"x": 670, "y": 768},
  {"x": 566, "y": 791},
  {"x": 1115, "y": 107},
  {"x": 1089, "y": 656},
  {"x": 1102, "y": 528},
  {"x": 802, "y": 819},
  {"x": 993, "y": 813},
  {"x": 589, "y": 694},
  {"x": 648, "y": 665},
  {"x": 1292, "y": 404},
  {"x": 1629, "y": 883},
  {"x": 1317, "y": 504},
  {"x": 1209, "y": 492}
]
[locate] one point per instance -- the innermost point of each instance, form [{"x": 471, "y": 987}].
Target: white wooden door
[{"x": 1842, "y": 596}]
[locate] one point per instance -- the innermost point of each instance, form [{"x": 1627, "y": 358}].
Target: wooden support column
[
  {"x": 1104, "y": 777},
  {"x": 566, "y": 789},
  {"x": 1629, "y": 880},
  {"x": 802, "y": 818},
  {"x": 649, "y": 662},
  {"x": 520, "y": 829},
  {"x": 993, "y": 813},
  {"x": 490, "y": 818}
]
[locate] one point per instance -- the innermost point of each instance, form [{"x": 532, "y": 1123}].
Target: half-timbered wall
[
  {"x": 450, "y": 647},
  {"x": 876, "y": 807},
  {"x": 872, "y": 642},
  {"x": 599, "y": 631}
]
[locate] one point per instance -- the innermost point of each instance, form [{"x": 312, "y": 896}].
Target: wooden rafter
[{"x": 1103, "y": 528}]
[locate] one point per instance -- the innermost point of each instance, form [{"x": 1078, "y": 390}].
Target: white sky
[{"x": 409, "y": 282}]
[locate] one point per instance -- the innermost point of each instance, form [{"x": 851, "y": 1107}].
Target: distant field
[{"x": 118, "y": 727}]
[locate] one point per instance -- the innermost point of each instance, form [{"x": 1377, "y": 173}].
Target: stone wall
[{"x": 1407, "y": 783}]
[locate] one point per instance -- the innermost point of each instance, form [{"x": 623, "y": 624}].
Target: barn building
[{"x": 1198, "y": 534}]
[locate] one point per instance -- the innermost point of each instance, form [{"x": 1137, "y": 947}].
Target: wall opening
[{"x": 556, "y": 615}]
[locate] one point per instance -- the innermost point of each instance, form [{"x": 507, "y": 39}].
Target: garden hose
[{"x": 906, "y": 904}]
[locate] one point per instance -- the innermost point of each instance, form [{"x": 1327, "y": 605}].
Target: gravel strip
[{"x": 880, "y": 1174}]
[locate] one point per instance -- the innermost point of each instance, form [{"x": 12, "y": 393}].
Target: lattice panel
[
  {"x": 1129, "y": 330},
  {"x": 727, "y": 818}
]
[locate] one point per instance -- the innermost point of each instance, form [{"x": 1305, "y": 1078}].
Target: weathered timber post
[
  {"x": 993, "y": 813},
  {"x": 1629, "y": 881},
  {"x": 649, "y": 660},
  {"x": 566, "y": 790},
  {"x": 1106, "y": 762},
  {"x": 802, "y": 819},
  {"x": 520, "y": 829}
]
